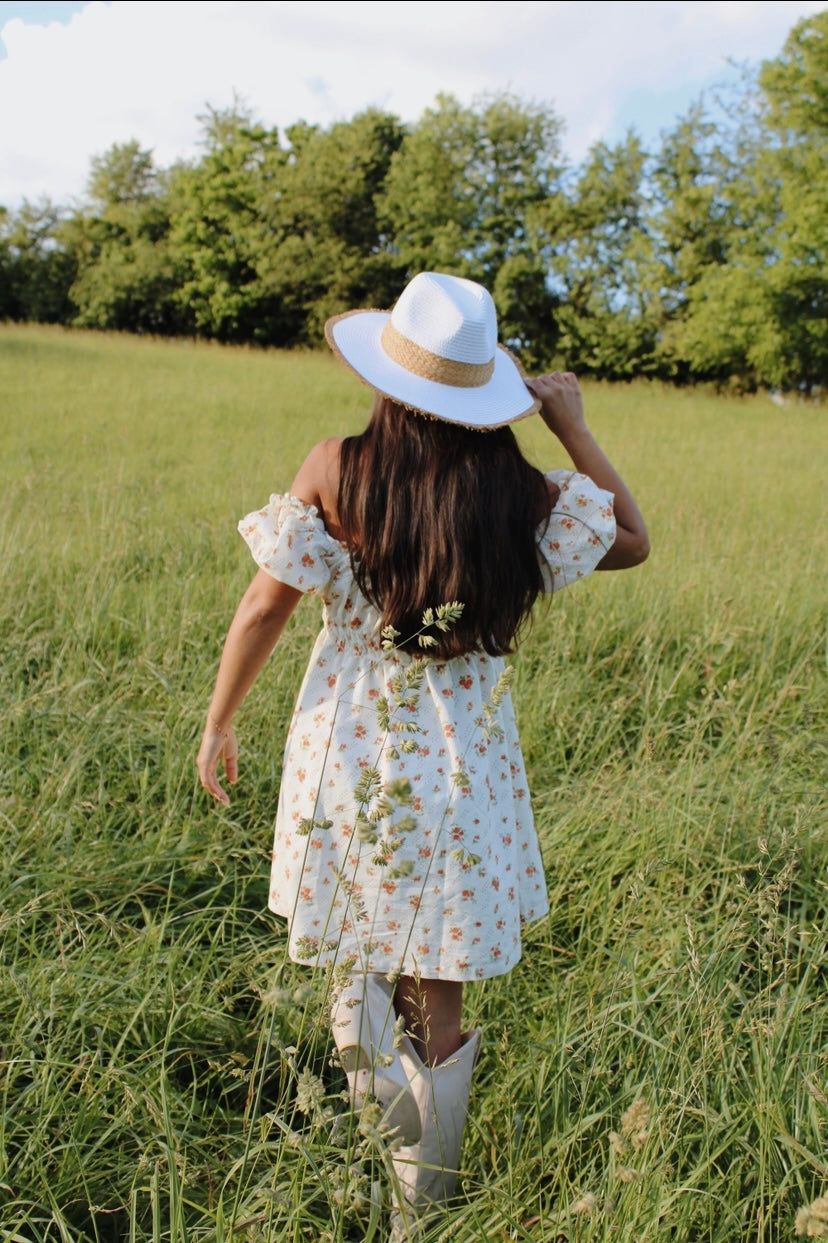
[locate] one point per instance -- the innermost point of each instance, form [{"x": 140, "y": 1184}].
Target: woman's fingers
[
  {"x": 215, "y": 747},
  {"x": 210, "y": 783},
  {"x": 231, "y": 758},
  {"x": 212, "y": 787},
  {"x": 209, "y": 780},
  {"x": 561, "y": 403},
  {"x": 553, "y": 380}
]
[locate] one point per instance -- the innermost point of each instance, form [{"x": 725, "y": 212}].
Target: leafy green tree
[
  {"x": 321, "y": 246},
  {"x": 468, "y": 193},
  {"x": 795, "y": 87},
  {"x": 125, "y": 275},
  {"x": 36, "y": 270},
  {"x": 760, "y": 315},
  {"x": 604, "y": 268},
  {"x": 795, "y": 84},
  {"x": 7, "y": 301},
  {"x": 216, "y": 235},
  {"x": 123, "y": 176},
  {"x": 692, "y": 224}
]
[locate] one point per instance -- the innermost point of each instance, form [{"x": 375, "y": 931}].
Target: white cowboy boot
[
  {"x": 362, "y": 1020},
  {"x": 426, "y": 1173}
]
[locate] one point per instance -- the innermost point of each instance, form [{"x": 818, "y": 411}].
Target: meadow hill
[
  {"x": 655, "y": 1065},
  {"x": 705, "y": 259}
]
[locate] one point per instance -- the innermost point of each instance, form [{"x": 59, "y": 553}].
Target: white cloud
[{"x": 144, "y": 69}]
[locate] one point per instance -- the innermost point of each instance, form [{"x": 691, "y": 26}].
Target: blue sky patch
[{"x": 38, "y": 13}]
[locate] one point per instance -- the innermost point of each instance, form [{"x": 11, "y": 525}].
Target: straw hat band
[{"x": 421, "y": 362}]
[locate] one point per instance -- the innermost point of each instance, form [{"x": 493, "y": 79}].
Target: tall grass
[{"x": 655, "y": 1066}]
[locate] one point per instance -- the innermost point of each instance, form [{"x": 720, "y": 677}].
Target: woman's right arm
[
  {"x": 261, "y": 617},
  {"x": 562, "y": 410}
]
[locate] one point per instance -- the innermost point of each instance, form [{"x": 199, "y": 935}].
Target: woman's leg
[
  {"x": 438, "y": 1061},
  {"x": 431, "y": 1010},
  {"x": 363, "y": 1023}
]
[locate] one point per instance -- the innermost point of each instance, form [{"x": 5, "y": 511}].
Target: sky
[{"x": 78, "y": 76}]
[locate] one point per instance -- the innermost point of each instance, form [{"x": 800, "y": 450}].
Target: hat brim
[{"x": 355, "y": 337}]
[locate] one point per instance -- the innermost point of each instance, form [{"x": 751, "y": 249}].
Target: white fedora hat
[{"x": 436, "y": 352}]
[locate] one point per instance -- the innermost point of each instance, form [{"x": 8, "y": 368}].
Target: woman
[{"x": 405, "y": 856}]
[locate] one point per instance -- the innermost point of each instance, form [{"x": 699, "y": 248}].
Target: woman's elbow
[
  {"x": 631, "y": 548},
  {"x": 640, "y": 549},
  {"x": 268, "y": 603}
]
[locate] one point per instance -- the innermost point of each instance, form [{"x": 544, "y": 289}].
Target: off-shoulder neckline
[
  {"x": 543, "y": 526},
  {"x": 313, "y": 511}
]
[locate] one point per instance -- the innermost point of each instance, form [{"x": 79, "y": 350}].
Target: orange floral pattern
[{"x": 434, "y": 866}]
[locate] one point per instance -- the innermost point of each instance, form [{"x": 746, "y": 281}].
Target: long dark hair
[{"x": 434, "y": 512}]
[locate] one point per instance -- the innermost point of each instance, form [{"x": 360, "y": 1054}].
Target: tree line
[{"x": 705, "y": 259}]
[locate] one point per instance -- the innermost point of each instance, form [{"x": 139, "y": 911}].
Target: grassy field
[{"x": 655, "y": 1068}]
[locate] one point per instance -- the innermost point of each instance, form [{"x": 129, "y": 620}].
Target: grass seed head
[
  {"x": 812, "y": 1219},
  {"x": 310, "y": 1092},
  {"x": 635, "y": 1123}
]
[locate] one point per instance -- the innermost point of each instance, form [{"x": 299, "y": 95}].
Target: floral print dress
[{"x": 404, "y": 838}]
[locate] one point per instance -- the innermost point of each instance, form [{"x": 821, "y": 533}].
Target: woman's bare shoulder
[
  {"x": 318, "y": 472},
  {"x": 317, "y": 482},
  {"x": 553, "y": 491}
]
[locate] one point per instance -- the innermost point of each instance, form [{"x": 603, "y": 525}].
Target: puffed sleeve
[
  {"x": 288, "y": 539},
  {"x": 580, "y": 530}
]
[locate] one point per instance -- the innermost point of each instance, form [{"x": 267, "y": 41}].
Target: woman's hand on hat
[
  {"x": 218, "y": 745},
  {"x": 562, "y": 407}
]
